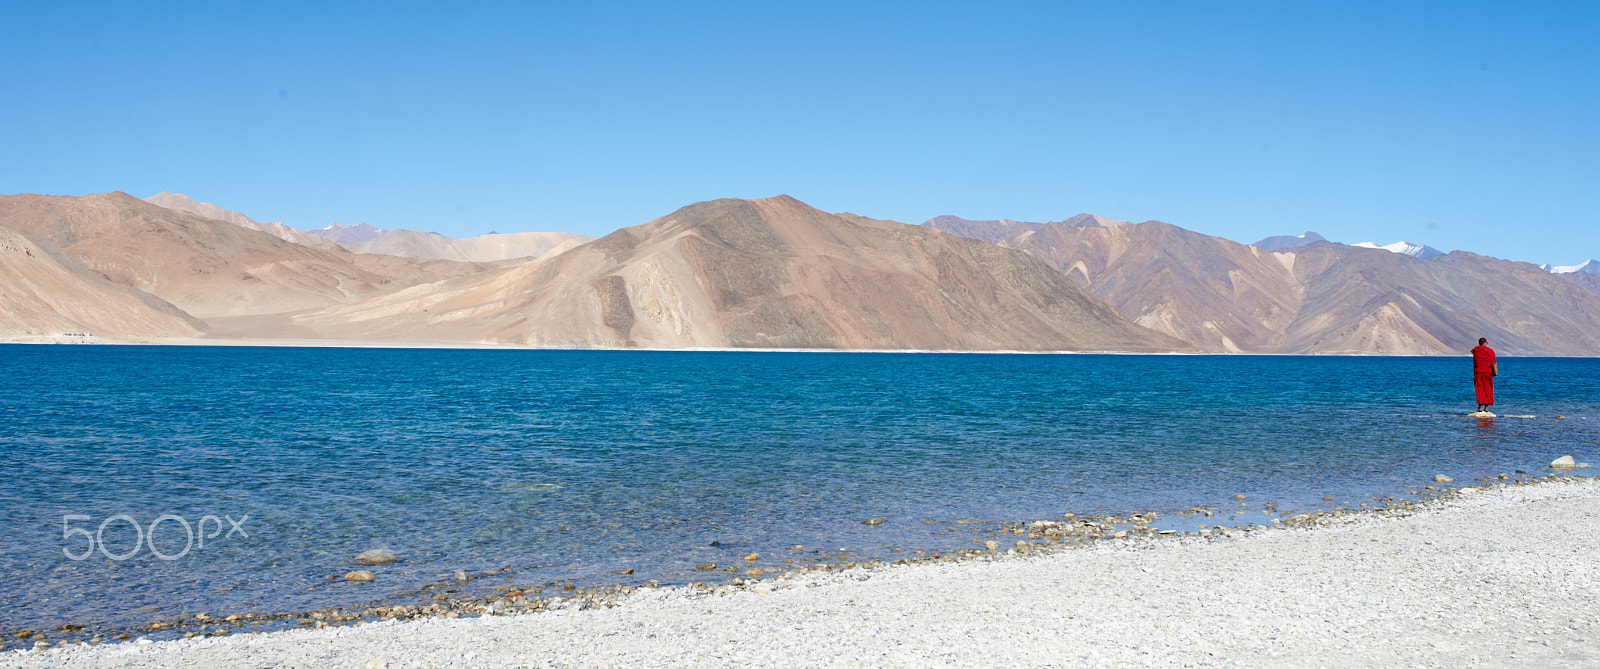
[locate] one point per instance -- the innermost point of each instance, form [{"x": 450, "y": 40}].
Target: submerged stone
[{"x": 377, "y": 556}]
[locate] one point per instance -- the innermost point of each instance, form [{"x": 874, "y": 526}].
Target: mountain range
[
  {"x": 767, "y": 273},
  {"x": 1313, "y": 297}
]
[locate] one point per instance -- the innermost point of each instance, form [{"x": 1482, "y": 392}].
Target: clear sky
[{"x": 1461, "y": 125}]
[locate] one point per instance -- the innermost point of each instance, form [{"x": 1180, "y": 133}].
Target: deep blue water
[{"x": 567, "y": 466}]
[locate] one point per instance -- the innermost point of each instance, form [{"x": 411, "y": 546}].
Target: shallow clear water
[{"x": 567, "y": 466}]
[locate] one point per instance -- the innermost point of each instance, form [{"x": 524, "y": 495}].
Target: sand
[{"x": 1502, "y": 576}]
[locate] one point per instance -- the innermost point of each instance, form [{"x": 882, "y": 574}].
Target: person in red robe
[{"x": 1484, "y": 369}]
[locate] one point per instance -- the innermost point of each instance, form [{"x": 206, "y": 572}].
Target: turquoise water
[{"x": 567, "y": 466}]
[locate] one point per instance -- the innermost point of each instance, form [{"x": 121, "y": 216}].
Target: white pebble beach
[{"x": 1502, "y": 576}]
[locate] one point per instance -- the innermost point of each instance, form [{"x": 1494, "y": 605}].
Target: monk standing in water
[{"x": 1484, "y": 369}]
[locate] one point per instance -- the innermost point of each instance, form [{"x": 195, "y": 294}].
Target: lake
[{"x": 566, "y": 467}]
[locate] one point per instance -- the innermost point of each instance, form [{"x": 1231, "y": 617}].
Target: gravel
[{"x": 1502, "y": 576}]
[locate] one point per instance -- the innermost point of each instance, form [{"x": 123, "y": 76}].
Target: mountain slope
[
  {"x": 46, "y": 292},
  {"x": 1218, "y": 295},
  {"x": 760, "y": 273},
  {"x": 205, "y": 266}
]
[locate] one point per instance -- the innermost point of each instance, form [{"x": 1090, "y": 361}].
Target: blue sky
[{"x": 1456, "y": 124}]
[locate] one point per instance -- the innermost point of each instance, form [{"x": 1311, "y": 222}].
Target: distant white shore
[
  {"x": 1500, "y": 576},
  {"x": 407, "y": 344},
  {"x": 414, "y": 344}
]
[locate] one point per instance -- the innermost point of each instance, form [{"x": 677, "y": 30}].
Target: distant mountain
[
  {"x": 485, "y": 248},
  {"x": 1286, "y": 242},
  {"x": 989, "y": 231},
  {"x": 365, "y": 238},
  {"x": 349, "y": 234},
  {"x": 1320, "y": 298},
  {"x": 1586, "y": 274},
  {"x": 1589, "y": 267},
  {"x": 47, "y": 292},
  {"x": 205, "y": 266},
  {"x": 182, "y": 202},
  {"x": 994, "y": 231},
  {"x": 1405, "y": 249},
  {"x": 769, "y": 273}
]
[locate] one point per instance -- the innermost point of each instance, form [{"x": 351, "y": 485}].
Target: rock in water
[
  {"x": 360, "y": 575},
  {"x": 1481, "y": 414},
  {"x": 377, "y": 556},
  {"x": 875, "y": 521},
  {"x": 1564, "y": 462},
  {"x": 1441, "y": 478},
  {"x": 461, "y": 576}
]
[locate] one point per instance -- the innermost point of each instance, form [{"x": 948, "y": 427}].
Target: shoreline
[{"x": 1447, "y": 521}]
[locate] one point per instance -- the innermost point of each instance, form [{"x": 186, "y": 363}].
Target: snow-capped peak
[
  {"x": 1405, "y": 249},
  {"x": 1590, "y": 267}
]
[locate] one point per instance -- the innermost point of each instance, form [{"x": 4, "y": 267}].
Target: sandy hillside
[
  {"x": 48, "y": 293},
  {"x": 205, "y": 266}
]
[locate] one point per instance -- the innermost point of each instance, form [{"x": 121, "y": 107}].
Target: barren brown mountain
[
  {"x": 207, "y": 267},
  {"x": 46, "y": 293},
  {"x": 1325, "y": 298},
  {"x": 759, "y": 273}
]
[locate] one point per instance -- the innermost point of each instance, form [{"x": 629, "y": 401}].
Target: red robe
[{"x": 1483, "y": 373}]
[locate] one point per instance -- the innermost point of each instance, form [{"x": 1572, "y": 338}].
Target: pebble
[
  {"x": 875, "y": 521},
  {"x": 461, "y": 576},
  {"x": 1441, "y": 478},
  {"x": 360, "y": 575}
]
